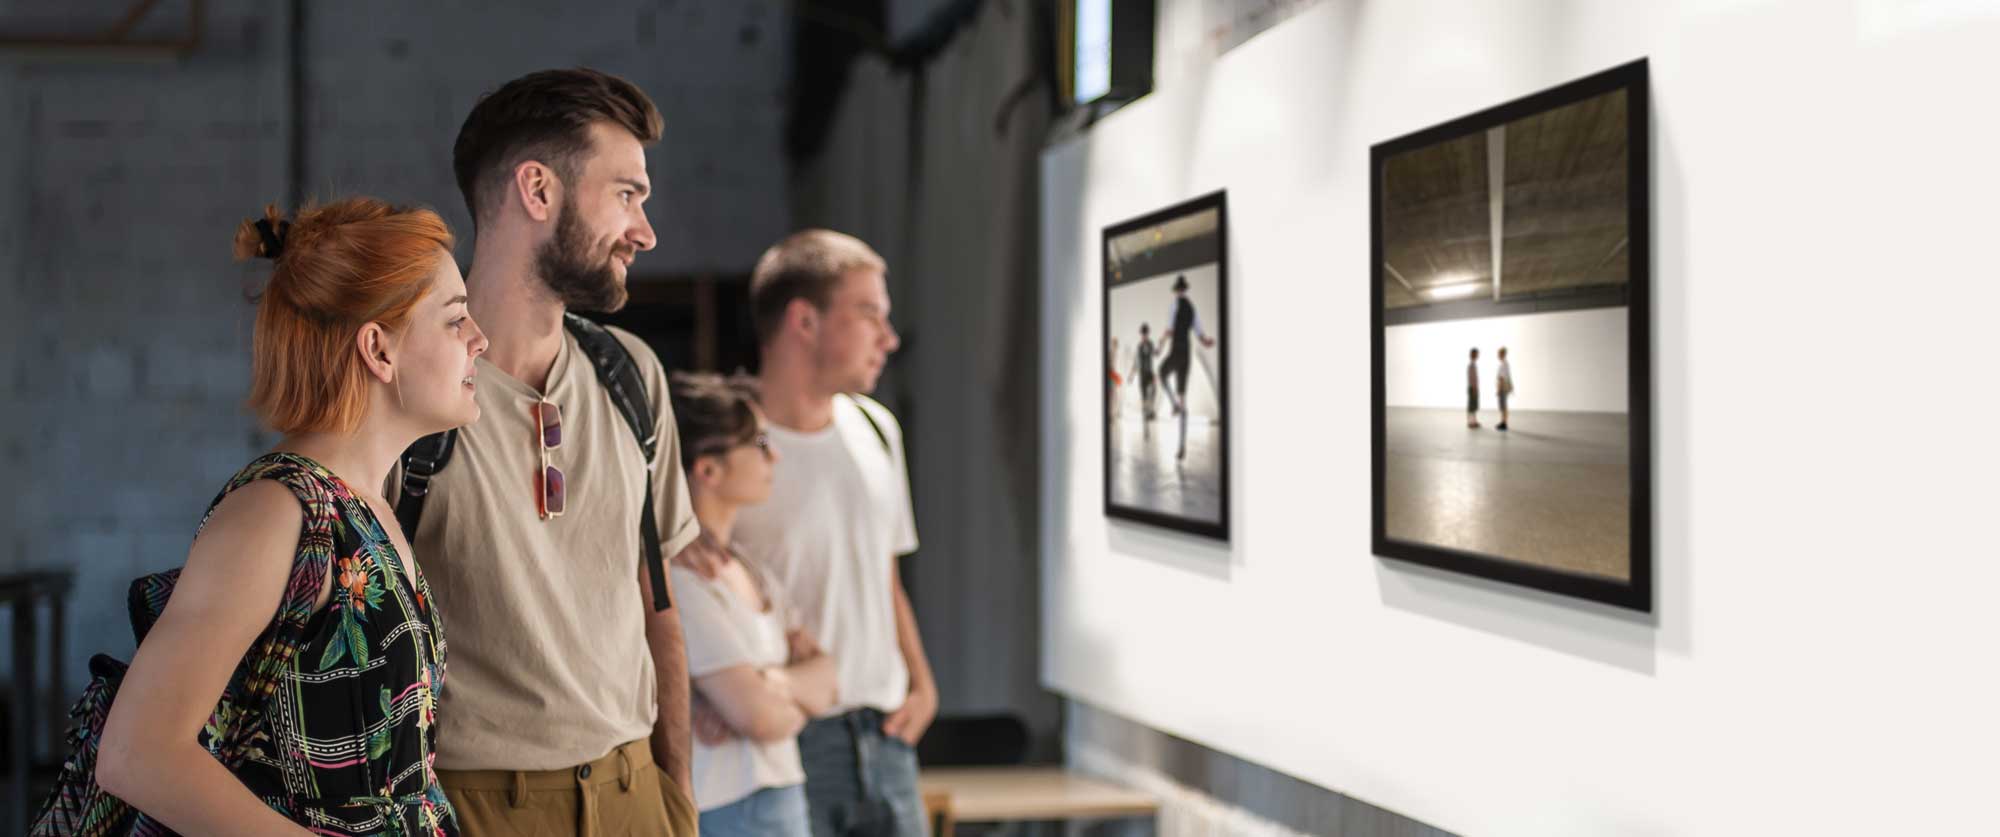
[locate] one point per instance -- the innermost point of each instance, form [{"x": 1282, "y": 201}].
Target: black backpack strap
[
  {"x": 620, "y": 376},
  {"x": 874, "y": 425},
  {"x": 422, "y": 461}
]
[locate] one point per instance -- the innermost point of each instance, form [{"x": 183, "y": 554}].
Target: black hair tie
[{"x": 274, "y": 236}]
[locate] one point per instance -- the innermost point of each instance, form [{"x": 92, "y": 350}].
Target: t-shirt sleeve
[
  {"x": 673, "y": 513},
  {"x": 713, "y": 640}
]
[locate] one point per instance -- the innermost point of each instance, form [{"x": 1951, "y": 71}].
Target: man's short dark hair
[
  {"x": 806, "y": 265},
  {"x": 544, "y": 116}
]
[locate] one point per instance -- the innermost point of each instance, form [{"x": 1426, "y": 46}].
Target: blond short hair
[{"x": 806, "y": 265}]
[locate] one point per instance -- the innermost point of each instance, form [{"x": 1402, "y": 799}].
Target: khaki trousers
[{"x": 620, "y": 795}]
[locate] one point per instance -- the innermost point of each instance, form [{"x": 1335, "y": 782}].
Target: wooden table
[{"x": 1025, "y": 794}]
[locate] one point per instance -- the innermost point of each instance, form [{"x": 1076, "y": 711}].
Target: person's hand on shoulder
[{"x": 703, "y": 557}]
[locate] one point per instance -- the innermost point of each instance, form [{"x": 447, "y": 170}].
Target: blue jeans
[
  {"x": 777, "y": 812},
  {"x": 859, "y": 782}
]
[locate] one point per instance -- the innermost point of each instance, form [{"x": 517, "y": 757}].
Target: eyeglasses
[
  {"x": 549, "y": 482},
  {"x": 761, "y": 441}
]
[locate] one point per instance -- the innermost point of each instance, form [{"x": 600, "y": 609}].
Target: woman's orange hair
[{"x": 339, "y": 267}]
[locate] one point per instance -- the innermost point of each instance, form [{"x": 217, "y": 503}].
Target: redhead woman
[{"x": 299, "y": 612}]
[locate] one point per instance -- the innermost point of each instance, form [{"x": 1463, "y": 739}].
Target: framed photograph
[
  {"x": 1166, "y": 368},
  {"x": 1510, "y": 273}
]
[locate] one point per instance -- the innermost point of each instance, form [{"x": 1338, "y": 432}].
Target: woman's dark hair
[{"x": 713, "y": 412}]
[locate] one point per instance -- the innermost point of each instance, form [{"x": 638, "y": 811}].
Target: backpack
[
  {"x": 76, "y": 806},
  {"x": 619, "y": 375},
  {"x": 861, "y": 403}
]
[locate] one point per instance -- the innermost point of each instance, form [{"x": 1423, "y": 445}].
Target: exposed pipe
[
  {"x": 117, "y": 41},
  {"x": 295, "y": 104}
]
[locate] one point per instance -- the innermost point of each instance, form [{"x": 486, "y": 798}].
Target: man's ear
[
  {"x": 372, "y": 341},
  {"x": 802, "y": 316},
  {"x": 538, "y": 189}
]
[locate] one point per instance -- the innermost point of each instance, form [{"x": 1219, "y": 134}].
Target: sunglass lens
[
  {"x": 553, "y": 493},
  {"x": 550, "y": 417}
]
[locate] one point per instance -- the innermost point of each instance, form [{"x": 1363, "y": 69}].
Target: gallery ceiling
[
  {"x": 1135, "y": 244},
  {"x": 1563, "y": 214}
]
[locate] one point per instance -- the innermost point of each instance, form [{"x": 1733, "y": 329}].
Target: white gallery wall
[
  {"x": 1563, "y": 360},
  {"x": 1822, "y": 659}
]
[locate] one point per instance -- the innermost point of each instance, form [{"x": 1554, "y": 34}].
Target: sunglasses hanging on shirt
[{"x": 550, "y": 495}]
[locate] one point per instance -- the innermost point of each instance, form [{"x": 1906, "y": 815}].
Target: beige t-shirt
[{"x": 548, "y": 665}]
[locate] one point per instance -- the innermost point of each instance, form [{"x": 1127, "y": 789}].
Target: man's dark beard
[{"x": 583, "y": 280}]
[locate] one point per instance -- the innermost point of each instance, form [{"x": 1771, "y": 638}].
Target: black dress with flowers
[{"x": 345, "y": 742}]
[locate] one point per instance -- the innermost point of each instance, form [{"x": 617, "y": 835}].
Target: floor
[
  {"x": 1553, "y": 491},
  {"x": 1146, "y": 475}
]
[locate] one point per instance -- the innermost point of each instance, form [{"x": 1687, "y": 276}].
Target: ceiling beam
[
  {"x": 1496, "y": 195},
  {"x": 1399, "y": 277},
  {"x": 1615, "y": 250}
]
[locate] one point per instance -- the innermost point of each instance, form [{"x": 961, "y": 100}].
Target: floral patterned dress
[{"x": 345, "y": 743}]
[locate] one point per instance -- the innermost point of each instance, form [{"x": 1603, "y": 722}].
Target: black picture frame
[
  {"x": 1218, "y": 529},
  {"x": 1636, "y": 592}
]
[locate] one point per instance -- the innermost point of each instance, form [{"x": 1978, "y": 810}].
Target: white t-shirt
[
  {"x": 838, "y": 518},
  {"x": 723, "y": 631}
]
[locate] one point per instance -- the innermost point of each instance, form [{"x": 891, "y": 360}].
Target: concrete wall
[
  {"x": 389, "y": 84},
  {"x": 1819, "y": 662},
  {"x": 126, "y": 355},
  {"x": 129, "y": 359}
]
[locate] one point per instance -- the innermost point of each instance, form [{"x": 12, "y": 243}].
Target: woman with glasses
[
  {"x": 289, "y": 685},
  {"x": 764, "y": 677}
]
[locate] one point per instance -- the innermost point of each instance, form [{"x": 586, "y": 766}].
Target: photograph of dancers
[{"x": 1165, "y": 332}]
